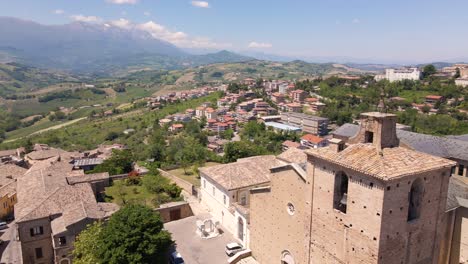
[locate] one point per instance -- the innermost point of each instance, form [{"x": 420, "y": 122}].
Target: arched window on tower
[
  {"x": 415, "y": 199},
  {"x": 340, "y": 196}
]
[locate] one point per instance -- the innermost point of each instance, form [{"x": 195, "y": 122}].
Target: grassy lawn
[
  {"x": 192, "y": 178},
  {"x": 119, "y": 192}
]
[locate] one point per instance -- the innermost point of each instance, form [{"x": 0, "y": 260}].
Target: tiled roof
[
  {"x": 390, "y": 163},
  {"x": 312, "y": 138},
  {"x": 44, "y": 191},
  {"x": 245, "y": 172},
  {"x": 9, "y": 172},
  {"x": 9, "y": 152},
  {"x": 293, "y": 155},
  {"x": 445, "y": 147},
  {"x": 87, "y": 178},
  {"x": 291, "y": 144}
]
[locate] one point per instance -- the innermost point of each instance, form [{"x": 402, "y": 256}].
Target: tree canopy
[{"x": 132, "y": 235}]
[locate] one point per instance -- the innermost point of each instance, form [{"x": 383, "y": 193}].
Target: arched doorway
[
  {"x": 240, "y": 229},
  {"x": 65, "y": 261},
  {"x": 287, "y": 258}
]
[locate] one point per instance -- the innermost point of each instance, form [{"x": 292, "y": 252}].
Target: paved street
[
  {"x": 192, "y": 247},
  {"x": 10, "y": 249}
]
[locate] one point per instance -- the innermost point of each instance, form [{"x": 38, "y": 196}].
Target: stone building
[
  {"x": 371, "y": 202},
  {"x": 55, "y": 203}
]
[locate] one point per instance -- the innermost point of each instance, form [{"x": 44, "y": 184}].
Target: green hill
[{"x": 17, "y": 79}]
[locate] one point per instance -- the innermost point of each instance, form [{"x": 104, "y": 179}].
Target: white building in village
[
  {"x": 394, "y": 75},
  {"x": 225, "y": 189}
]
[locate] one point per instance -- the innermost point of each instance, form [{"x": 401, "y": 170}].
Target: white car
[
  {"x": 3, "y": 225},
  {"x": 233, "y": 248}
]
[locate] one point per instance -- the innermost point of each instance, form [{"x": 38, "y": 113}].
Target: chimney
[
  {"x": 336, "y": 144},
  {"x": 378, "y": 129}
]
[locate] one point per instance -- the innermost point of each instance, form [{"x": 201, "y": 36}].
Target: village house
[
  {"x": 298, "y": 96},
  {"x": 313, "y": 141},
  {"x": 249, "y": 81},
  {"x": 277, "y": 98},
  {"x": 54, "y": 205},
  {"x": 8, "y": 198},
  {"x": 175, "y": 128},
  {"x": 317, "y": 106},
  {"x": 289, "y": 144},
  {"x": 294, "y": 107},
  {"x": 210, "y": 113},
  {"x": 432, "y": 99},
  {"x": 462, "y": 82}
]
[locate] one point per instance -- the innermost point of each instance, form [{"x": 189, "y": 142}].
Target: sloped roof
[
  {"x": 312, "y": 138},
  {"x": 445, "y": 147},
  {"x": 290, "y": 144},
  {"x": 458, "y": 189},
  {"x": 387, "y": 164},
  {"x": 245, "y": 172},
  {"x": 293, "y": 155},
  {"x": 44, "y": 191}
]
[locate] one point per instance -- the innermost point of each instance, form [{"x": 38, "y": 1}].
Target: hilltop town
[{"x": 339, "y": 169}]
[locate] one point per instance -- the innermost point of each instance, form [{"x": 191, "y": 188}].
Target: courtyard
[{"x": 192, "y": 247}]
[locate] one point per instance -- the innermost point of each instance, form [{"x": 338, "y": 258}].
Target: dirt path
[{"x": 50, "y": 128}]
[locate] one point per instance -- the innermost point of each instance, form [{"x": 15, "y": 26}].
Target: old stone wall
[
  {"x": 418, "y": 240},
  {"x": 278, "y": 221},
  {"x": 350, "y": 237}
]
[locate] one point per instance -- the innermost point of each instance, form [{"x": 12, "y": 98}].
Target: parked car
[
  {"x": 176, "y": 258},
  {"x": 233, "y": 248},
  {"x": 3, "y": 225}
]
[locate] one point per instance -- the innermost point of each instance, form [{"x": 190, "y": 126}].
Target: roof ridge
[{"x": 39, "y": 204}]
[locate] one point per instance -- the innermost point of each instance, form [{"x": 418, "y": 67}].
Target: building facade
[
  {"x": 371, "y": 202},
  {"x": 310, "y": 124},
  {"x": 394, "y": 75}
]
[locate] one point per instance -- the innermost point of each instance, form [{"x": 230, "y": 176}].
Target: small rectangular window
[
  {"x": 62, "y": 241},
  {"x": 38, "y": 253},
  {"x": 224, "y": 199},
  {"x": 369, "y": 137},
  {"x": 213, "y": 191},
  {"x": 460, "y": 170},
  {"x": 37, "y": 230}
]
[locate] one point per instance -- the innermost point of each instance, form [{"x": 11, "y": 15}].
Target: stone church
[{"x": 370, "y": 201}]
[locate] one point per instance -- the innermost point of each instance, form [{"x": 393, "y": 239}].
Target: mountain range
[{"x": 94, "y": 48}]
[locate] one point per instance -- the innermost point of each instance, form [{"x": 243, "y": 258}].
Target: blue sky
[{"x": 398, "y": 30}]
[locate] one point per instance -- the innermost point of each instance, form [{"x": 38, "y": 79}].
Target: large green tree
[
  {"x": 132, "y": 235},
  {"x": 120, "y": 162}
]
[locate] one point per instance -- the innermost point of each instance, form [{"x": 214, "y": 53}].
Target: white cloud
[
  {"x": 58, "y": 12},
  {"x": 122, "y": 2},
  {"x": 146, "y": 13},
  {"x": 87, "y": 19},
  {"x": 356, "y": 21},
  {"x": 121, "y": 23},
  {"x": 259, "y": 45},
  {"x": 179, "y": 38},
  {"x": 202, "y": 4}
]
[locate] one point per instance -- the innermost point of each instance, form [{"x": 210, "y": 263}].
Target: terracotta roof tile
[{"x": 390, "y": 163}]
